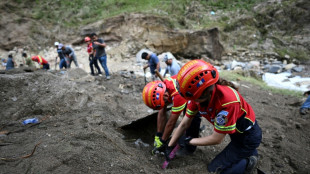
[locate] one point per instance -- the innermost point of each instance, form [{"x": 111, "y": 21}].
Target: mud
[{"x": 90, "y": 125}]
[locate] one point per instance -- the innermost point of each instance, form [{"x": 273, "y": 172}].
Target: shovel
[
  {"x": 56, "y": 63},
  {"x": 144, "y": 77}
]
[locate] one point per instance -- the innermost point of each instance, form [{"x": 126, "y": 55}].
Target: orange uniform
[
  {"x": 225, "y": 111},
  {"x": 178, "y": 102}
]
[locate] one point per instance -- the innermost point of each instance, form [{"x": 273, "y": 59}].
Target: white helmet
[{"x": 56, "y": 43}]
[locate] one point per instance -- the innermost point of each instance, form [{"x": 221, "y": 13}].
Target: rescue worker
[
  {"x": 62, "y": 61},
  {"x": 91, "y": 59},
  {"x": 69, "y": 54},
  {"x": 153, "y": 63},
  {"x": 222, "y": 105},
  {"x": 10, "y": 63},
  {"x": 28, "y": 60},
  {"x": 172, "y": 65},
  {"x": 41, "y": 61},
  {"x": 157, "y": 95}
]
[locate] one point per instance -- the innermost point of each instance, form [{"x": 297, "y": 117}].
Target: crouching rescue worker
[
  {"x": 41, "y": 61},
  {"x": 157, "y": 95},
  {"x": 222, "y": 105}
]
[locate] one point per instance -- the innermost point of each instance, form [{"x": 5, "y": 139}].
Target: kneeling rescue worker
[
  {"x": 157, "y": 95},
  {"x": 222, "y": 105},
  {"x": 41, "y": 61}
]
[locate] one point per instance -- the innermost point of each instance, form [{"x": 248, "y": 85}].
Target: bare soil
[{"x": 90, "y": 125}]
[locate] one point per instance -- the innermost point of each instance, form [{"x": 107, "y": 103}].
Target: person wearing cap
[
  {"x": 222, "y": 105},
  {"x": 69, "y": 54},
  {"x": 10, "y": 63},
  {"x": 62, "y": 62},
  {"x": 153, "y": 63},
  {"x": 28, "y": 60},
  {"x": 172, "y": 66},
  {"x": 41, "y": 61}
]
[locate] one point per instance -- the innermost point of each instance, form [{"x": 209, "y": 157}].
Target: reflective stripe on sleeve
[
  {"x": 190, "y": 113},
  {"x": 178, "y": 109},
  {"x": 225, "y": 128}
]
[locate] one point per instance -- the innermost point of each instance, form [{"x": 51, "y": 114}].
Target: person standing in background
[
  {"x": 99, "y": 52},
  {"x": 91, "y": 59},
  {"x": 172, "y": 65}
]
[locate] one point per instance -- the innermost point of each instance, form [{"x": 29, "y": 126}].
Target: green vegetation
[
  {"x": 293, "y": 53},
  {"x": 80, "y": 12},
  {"x": 230, "y": 75},
  {"x": 232, "y": 4}
]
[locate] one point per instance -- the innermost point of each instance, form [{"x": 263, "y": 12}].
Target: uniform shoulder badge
[{"x": 221, "y": 118}]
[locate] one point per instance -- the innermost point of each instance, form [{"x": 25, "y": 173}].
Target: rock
[
  {"x": 154, "y": 32},
  {"x": 287, "y": 56},
  {"x": 253, "y": 64},
  {"x": 275, "y": 69},
  {"x": 268, "y": 45},
  {"x": 237, "y": 68},
  {"x": 297, "y": 69},
  {"x": 289, "y": 66},
  {"x": 235, "y": 63}
]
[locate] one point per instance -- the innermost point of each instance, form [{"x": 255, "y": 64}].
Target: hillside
[{"x": 269, "y": 26}]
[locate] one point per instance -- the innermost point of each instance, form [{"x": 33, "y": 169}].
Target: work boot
[{"x": 252, "y": 164}]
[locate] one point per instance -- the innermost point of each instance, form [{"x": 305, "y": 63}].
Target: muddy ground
[{"x": 90, "y": 125}]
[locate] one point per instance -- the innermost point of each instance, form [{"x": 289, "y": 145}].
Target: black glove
[
  {"x": 168, "y": 150},
  {"x": 184, "y": 141}
]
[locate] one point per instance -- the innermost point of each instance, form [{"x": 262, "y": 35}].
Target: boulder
[
  {"x": 155, "y": 33},
  {"x": 275, "y": 68},
  {"x": 289, "y": 66}
]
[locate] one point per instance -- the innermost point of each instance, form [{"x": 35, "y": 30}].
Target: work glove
[
  {"x": 184, "y": 141},
  {"x": 159, "y": 145},
  {"x": 168, "y": 150}
]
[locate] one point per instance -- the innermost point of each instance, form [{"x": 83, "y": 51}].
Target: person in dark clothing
[
  {"x": 10, "y": 63},
  {"x": 62, "y": 62},
  {"x": 99, "y": 52}
]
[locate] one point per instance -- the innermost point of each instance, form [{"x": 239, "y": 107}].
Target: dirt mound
[{"x": 81, "y": 118}]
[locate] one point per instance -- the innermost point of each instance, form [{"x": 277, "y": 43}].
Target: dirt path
[{"x": 81, "y": 118}]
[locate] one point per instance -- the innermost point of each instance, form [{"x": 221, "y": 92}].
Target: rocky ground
[{"x": 91, "y": 125}]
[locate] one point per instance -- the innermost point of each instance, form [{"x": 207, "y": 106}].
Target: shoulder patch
[{"x": 221, "y": 119}]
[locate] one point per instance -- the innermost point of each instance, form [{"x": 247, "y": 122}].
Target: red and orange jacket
[
  {"x": 39, "y": 59},
  {"x": 227, "y": 111},
  {"x": 178, "y": 102}
]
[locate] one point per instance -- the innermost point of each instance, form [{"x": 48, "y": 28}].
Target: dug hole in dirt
[{"x": 92, "y": 125}]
